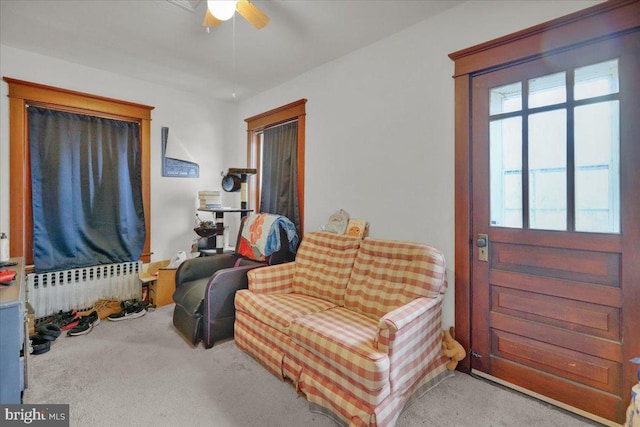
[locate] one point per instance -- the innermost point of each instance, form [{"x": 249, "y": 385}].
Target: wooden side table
[
  {"x": 160, "y": 283},
  {"x": 161, "y": 290}
]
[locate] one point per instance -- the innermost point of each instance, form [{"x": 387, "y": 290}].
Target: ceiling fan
[{"x": 222, "y": 10}]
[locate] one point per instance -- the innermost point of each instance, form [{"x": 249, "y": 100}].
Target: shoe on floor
[
  {"x": 86, "y": 312},
  {"x": 85, "y": 325},
  {"x": 48, "y": 331},
  {"x": 72, "y": 323},
  {"x": 65, "y": 320},
  {"x": 131, "y": 309},
  {"x": 38, "y": 345},
  {"x": 106, "y": 307}
]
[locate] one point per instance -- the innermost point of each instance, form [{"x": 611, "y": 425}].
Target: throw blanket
[{"x": 260, "y": 236}]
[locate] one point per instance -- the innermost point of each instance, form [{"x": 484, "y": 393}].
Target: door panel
[
  {"x": 552, "y": 140},
  {"x": 588, "y": 318},
  {"x": 559, "y": 263},
  {"x": 577, "y": 291},
  {"x": 593, "y": 371},
  {"x": 562, "y": 338},
  {"x": 572, "y": 393}
]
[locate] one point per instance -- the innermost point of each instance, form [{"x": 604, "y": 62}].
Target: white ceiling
[{"x": 164, "y": 42}]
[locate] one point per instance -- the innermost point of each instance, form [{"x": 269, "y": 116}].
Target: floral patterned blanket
[{"x": 260, "y": 236}]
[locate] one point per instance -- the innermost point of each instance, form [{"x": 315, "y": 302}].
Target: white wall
[
  {"x": 380, "y": 124},
  {"x": 379, "y": 136},
  {"x": 198, "y": 122}
]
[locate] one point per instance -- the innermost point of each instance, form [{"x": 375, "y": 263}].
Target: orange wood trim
[
  {"x": 73, "y": 110},
  {"x": 301, "y": 168},
  {"x": 83, "y": 101},
  {"x": 20, "y": 197},
  {"x": 253, "y": 160},
  {"x": 145, "y": 131},
  {"x": 256, "y": 124},
  {"x": 463, "y": 219},
  {"x": 600, "y": 21},
  {"x": 631, "y": 247},
  {"x": 21, "y": 94},
  {"x": 277, "y": 115}
]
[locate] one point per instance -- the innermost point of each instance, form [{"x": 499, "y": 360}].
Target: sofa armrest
[
  {"x": 199, "y": 268},
  {"x": 411, "y": 336},
  {"x": 275, "y": 279}
]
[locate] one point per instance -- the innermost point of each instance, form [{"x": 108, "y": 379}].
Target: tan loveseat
[{"x": 355, "y": 325}]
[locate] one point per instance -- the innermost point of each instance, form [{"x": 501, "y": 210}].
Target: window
[
  {"x": 86, "y": 190},
  {"x": 23, "y": 93},
  {"x": 554, "y": 151},
  {"x": 256, "y": 125}
]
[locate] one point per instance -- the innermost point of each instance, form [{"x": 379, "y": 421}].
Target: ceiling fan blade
[
  {"x": 210, "y": 20},
  {"x": 251, "y": 13}
]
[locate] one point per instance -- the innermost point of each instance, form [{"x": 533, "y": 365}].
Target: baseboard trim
[{"x": 546, "y": 399}]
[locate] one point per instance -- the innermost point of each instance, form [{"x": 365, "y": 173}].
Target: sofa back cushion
[
  {"x": 388, "y": 274},
  {"x": 323, "y": 265}
]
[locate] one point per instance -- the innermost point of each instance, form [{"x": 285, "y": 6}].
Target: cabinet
[
  {"x": 161, "y": 290},
  {"x": 160, "y": 283},
  {"x": 14, "y": 338}
]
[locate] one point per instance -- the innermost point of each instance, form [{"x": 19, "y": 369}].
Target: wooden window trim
[
  {"x": 22, "y": 94},
  {"x": 602, "y": 21},
  {"x": 258, "y": 123}
]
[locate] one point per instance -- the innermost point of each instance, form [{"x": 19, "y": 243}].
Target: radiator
[{"x": 80, "y": 288}]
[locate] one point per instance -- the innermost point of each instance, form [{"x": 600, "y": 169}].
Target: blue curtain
[
  {"x": 279, "y": 192},
  {"x": 86, "y": 180}
]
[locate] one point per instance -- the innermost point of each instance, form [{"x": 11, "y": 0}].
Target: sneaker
[
  {"x": 65, "y": 319},
  {"x": 85, "y": 325},
  {"x": 38, "y": 345},
  {"x": 48, "y": 331},
  {"x": 71, "y": 323},
  {"x": 86, "y": 311},
  {"x": 131, "y": 309},
  {"x": 106, "y": 307}
]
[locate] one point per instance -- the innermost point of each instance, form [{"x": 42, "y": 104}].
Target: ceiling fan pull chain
[{"x": 233, "y": 64}]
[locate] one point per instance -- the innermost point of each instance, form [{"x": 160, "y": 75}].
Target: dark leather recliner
[{"x": 206, "y": 288}]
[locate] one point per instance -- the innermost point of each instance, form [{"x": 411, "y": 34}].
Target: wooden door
[{"x": 555, "y": 199}]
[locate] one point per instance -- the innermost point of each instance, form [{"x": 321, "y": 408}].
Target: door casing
[{"x": 603, "y": 21}]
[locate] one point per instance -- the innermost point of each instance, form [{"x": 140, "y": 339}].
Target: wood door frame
[{"x": 605, "y": 20}]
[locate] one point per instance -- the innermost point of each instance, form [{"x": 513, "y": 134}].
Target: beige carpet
[{"x": 140, "y": 372}]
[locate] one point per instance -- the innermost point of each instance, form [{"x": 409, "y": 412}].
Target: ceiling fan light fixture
[{"x": 222, "y": 9}]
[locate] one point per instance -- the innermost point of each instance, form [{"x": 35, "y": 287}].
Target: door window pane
[
  {"x": 505, "y": 99},
  {"x": 597, "y": 163},
  {"x": 548, "y": 170},
  {"x": 596, "y": 80},
  {"x": 547, "y": 90},
  {"x": 530, "y": 152},
  {"x": 506, "y": 172}
]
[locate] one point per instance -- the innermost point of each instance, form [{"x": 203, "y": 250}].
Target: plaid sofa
[{"x": 355, "y": 325}]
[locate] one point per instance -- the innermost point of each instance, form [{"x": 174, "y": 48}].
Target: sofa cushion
[
  {"x": 278, "y": 310},
  {"x": 344, "y": 340},
  {"x": 388, "y": 274},
  {"x": 323, "y": 265}
]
